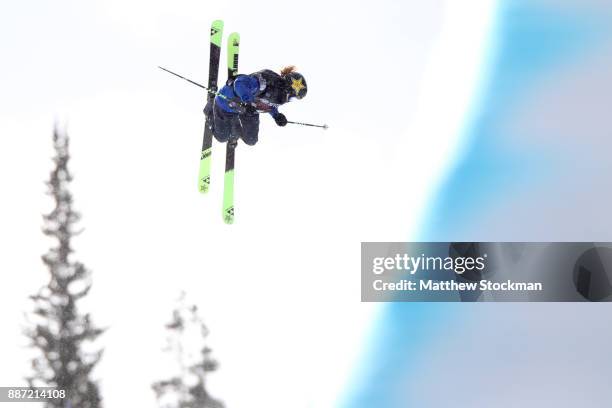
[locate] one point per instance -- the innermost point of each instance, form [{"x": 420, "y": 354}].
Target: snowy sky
[{"x": 279, "y": 290}]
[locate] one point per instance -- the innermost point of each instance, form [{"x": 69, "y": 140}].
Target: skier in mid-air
[{"x": 245, "y": 96}]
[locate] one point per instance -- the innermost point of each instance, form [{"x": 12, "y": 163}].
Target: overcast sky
[{"x": 279, "y": 290}]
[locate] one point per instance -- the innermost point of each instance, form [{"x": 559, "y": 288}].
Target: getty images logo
[{"x": 414, "y": 264}]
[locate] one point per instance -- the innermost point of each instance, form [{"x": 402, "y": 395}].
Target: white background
[{"x": 279, "y": 290}]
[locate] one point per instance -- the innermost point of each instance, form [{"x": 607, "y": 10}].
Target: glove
[
  {"x": 251, "y": 110},
  {"x": 280, "y": 119},
  {"x": 237, "y": 106}
]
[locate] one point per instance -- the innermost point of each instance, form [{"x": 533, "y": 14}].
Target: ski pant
[{"x": 228, "y": 124}]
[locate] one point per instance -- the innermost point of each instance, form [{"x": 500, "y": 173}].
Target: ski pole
[
  {"x": 187, "y": 79},
  {"x": 308, "y": 124},
  {"x": 195, "y": 83},
  {"x": 230, "y": 100}
]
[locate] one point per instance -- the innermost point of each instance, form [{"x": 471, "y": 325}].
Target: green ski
[
  {"x": 216, "y": 33},
  {"x": 233, "y": 46}
]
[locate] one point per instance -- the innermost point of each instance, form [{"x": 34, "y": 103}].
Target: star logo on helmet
[{"x": 297, "y": 85}]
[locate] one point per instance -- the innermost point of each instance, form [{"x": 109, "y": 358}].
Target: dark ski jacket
[{"x": 264, "y": 90}]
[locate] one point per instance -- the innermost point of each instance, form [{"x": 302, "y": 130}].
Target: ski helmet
[{"x": 296, "y": 85}]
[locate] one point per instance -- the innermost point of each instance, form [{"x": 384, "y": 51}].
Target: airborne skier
[
  {"x": 233, "y": 112},
  {"x": 245, "y": 96}
]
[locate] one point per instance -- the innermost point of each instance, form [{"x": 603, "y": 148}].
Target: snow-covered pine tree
[
  {"x": 60, "y": 333},
  {"x": 192, "y": 359}
]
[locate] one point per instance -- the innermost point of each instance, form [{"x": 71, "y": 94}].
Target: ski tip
[
  {"x": 228, "y": 215},
  {"x": 234, "y": 39},
  {"x": 325, "y": 127},
  {"x": 216, "y": 31}
]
